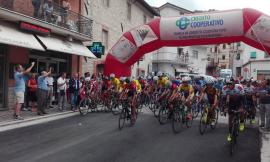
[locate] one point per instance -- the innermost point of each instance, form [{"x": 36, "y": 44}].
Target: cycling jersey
[
  {"x": 186, "y": 89},
  {"x": 211, "y": 93},
  {"x": 116, "y": 83},
  {"x": 138, "y": 85},
  {"x": 235, "y": 96},
  {"x": 162, "y": 82}
]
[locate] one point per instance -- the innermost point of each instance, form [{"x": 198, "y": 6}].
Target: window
[
  {"x": 129, "y": 11},
  {"x": 266, "y": 55},
  {"x": 181, "y": 13},
  {"x": 238, "y": 56},
  {"x": 144, "y": 19},
  {"x": 223, "y": 57},
  {"x": 224, "y": 46},
  {"x": 195, "y": 54},
  {"x": 238, "y": 71},
  {"x": 253, "y": 55},
  {"x": 106, "y": 3},
  {"x": 216, "y": 48},
  {"x": 105, "y": 38},
  {"x": 238, "y": 44},
  {"x": 179, "y": 51}
]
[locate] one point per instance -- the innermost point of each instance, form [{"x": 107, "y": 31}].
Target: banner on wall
[
  {"x": 260, "y": 31},
  {"x": 143, "y": 35},
  {"x": 207, "y": 25},
  {"x": 123, "y": 50}
]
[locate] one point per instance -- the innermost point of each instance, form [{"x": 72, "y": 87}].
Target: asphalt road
[{"x": 96, "y": 138}]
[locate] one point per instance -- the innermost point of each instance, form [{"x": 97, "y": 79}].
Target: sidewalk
[
  {"x": 7, "y": 122},
  {"x": 265, "y": 146}
]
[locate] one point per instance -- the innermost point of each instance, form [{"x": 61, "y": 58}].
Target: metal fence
[{"x": 53, "y": 14}]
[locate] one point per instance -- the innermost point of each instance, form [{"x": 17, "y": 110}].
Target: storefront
[{"x": 19, "y": 47}]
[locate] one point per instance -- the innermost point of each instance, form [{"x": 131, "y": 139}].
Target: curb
[
  {"x": 265, "y": 145},
  {"x": 5, "y": 126}
]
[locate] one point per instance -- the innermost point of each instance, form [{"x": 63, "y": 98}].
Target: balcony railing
[{"x": 67, "y": 19}]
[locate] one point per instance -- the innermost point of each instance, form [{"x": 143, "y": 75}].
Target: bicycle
[
  {"x": 206, "y": 118},
  {"x": 125, "y": 114},
  {"x": 180, "y": 117},
  {"x": 234, "y": 130}
]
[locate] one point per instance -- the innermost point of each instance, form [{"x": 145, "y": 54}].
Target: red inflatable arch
[{"x": 247, "y": 25}]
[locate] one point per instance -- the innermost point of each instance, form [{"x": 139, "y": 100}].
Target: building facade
[
  {"x": 177, "y": 60},
  {"x": 110, "y": 20},
  {"x": 44, "y": 33}
]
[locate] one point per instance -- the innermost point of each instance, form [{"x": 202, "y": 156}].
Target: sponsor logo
[
  {"x": 143, "y": 33},
  {"x": 198, "y": 22}
]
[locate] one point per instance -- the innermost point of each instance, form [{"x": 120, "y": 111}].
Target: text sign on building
[
  {"x": 97, "y": 49},
  {"x": 34, "y": 28},
  {"x": 202, "y": 26}
]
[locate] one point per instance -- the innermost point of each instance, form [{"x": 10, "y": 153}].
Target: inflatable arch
[{"x": 247, "y": 25}]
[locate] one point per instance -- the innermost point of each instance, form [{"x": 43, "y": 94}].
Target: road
[{"x": 96, "y": 138}]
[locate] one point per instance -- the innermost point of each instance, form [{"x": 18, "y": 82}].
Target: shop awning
[
  {"x": 11, "y": 35},
  {"x": 61, "y": 45}
]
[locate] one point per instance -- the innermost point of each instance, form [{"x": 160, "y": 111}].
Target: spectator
[
  {"x": 48, "y": 11},
  {"x": 32, "y": 91},
  {"x": 36, "y": 4},
  {"x": 62, "y": 96},
  {"x": 264, "y": 98},
  {"x": 74, "y": 88},
  {"x": 19, "y": 88},
  {"x": 49, "y": 81},
  {"x": 65, "y": 7},
  {"x": 42, "y": 92}
]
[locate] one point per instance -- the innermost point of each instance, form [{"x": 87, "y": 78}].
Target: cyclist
[
  {"x": 209, "y": 94},
  {"x": 131, "y": 91},
  {"x": 234, "y": 99},
  {"x": 187, "y": 92},
  {"x": 115, "y": 83},
  {"x": 161, "y": 82},
  {"x": 250, "y": 99}
]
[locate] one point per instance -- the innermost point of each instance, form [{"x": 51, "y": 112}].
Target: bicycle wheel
[
  {"x": 122, "y": 118},
  {"x": 188, "y": 121},
  {"x": 216, "y": 119},
  {"x": 177, "y": 123},
  {"x": 194, "y": 110},
  {"x": 163, "y": 115},
  {"x": 84, "y": 106},
  {"x": 203, "y": 123}
]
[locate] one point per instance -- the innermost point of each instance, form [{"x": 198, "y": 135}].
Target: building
[
  {"x": 219, "y": 57},
  {"x": 111, "y": 20},
  {"x": 177, "y": 60},
  {"x": 250, "y": 62},
  {"x": 28, "y": 33}
]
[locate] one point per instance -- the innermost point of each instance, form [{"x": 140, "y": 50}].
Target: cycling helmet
[
  {"x": 112, "y": 75},
  {"x": 155, "y": 78},
  {"x": 149, "y": 77},
  {"x": 186, "y": 79},
  {"x": 127, "y": 80},
  {"x": 122, "y": 79},
  {"x": 159, "y": 74},
  {"x": 209, "y": 81}
]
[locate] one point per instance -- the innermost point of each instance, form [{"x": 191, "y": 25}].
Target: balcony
[
  {"x": 176, "y": 61},
  {"x": 65, "y": 23}
]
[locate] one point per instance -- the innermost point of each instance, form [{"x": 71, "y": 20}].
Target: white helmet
[
  {"x": 112, "y": 75},
  {"x": 186, "y": 79},
  {"x": 122, "y": 78},
  {"x": 209, "y": 81},
  {"x": 149, "y": 77},
  {"x": 159, "y": 74},
  {"x": 155, "y": 78}
]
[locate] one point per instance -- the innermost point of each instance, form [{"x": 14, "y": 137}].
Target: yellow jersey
[{"x": 116, "y": 83}]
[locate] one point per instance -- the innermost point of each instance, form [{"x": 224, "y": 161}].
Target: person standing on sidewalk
[
  {"x": 62, "y": 95},
  {"x": 19, "y": 88},
  {"x": 49, "y": 80},
  {"x": 32, "y": 91},
  {"x": 42, "y": 92},
  {"x": 264, "y": 99},
  {"x": 74, "y": 88}
]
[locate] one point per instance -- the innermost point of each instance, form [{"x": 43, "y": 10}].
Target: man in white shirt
[
  {"x": 61, "y": 89},
  {"x": 49, "y": 81}
]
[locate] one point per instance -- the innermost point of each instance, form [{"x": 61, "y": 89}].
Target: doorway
[{"x": 2, "y": 75}]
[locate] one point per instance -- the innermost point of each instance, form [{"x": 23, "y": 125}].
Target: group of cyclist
[{"x": 226, "y": 95}]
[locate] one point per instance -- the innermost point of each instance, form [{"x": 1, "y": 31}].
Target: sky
[{"x": 261, "y": 5}]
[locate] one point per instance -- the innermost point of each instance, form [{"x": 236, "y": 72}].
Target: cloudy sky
[{"x": 262, "y": 5}]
